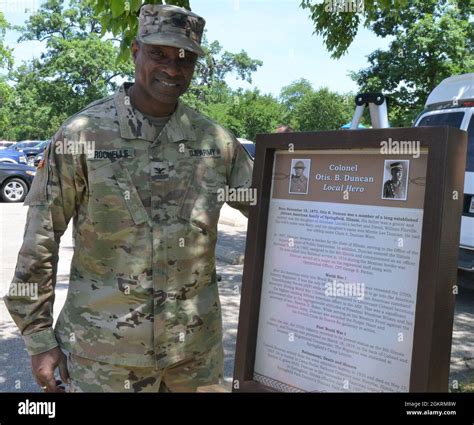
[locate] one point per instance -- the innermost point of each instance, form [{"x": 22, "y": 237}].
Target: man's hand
[{"x": 43, "y": 366}]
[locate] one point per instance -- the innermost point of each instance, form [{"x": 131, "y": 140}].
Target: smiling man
[{"x": 142, "y": 311}]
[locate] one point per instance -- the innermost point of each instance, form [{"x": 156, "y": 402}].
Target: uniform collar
[{"x": 134, "y": 125}]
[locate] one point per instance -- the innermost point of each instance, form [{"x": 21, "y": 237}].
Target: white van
[{"x": 452, "y": 103}]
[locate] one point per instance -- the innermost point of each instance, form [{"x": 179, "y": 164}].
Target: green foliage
[
  {"x": 433, "y": 39},
  {"x": 433, "y": 42},
  {"x": 121, "y": 19},
  {"x": 291, "y": 96},
  {"x": 209, "y": 85},
  {"x": 322, "y": 110},
  {"x": 77, "y": 68},
  {"x": 80, "y": 65},
  {"x": 248, "y": 113},
  {"x": 383, "y": 17},
  {"x": 6, "y": 59}
]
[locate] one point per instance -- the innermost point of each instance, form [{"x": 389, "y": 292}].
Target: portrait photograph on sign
[
  {"x": 300, "y": 169},
  {"x": 396, "y": 177}
]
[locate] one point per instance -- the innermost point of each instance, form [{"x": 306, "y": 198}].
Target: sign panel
[{"x": 344, "y": 276}]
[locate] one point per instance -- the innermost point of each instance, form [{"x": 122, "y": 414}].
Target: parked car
[
  {"x": 452, "y": 103},
  {"x": 15, "y": 181},
  {"x": 6, "y": 144},
  {"x": 26, "y": 144},
  {"x": 31, "y": 149},
  {"x": 12, "y": 156}
]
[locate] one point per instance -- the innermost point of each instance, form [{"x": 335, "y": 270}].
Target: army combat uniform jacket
[{"x": 145, "y": 208}]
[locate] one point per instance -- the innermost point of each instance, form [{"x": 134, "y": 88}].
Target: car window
[
  {"x": 452, "y": 119},
  {"x": 250, "y": 148},
  {"x": 470, "y": 146}
]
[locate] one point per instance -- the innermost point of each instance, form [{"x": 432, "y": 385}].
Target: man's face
[
  {"x": 397, "y": 174},
  {"x": 299, "y": 171},
  {"x": 163, "y": 72}
]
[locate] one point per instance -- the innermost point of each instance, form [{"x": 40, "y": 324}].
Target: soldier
[
  {"x": 142, "y": 311},
  {"x": 393, "y": 188},
  {"x": 299, "y": 182}
]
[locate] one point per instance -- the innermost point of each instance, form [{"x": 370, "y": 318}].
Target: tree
[
  {"x": 77, "y": 68},
  {"x": 437, "y": 44},
  {"x": 321, "y": 110},
  {"x": 209, "y": 86},
  {"x": 338, "y": 21},
  {"x": 6, "y": 59},
  {"x": 291, "y": 96},
  {"x": 247, "y": 113}
]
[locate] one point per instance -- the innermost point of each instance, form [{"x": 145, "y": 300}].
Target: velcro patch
[
  {"x": 159, "y": 170},
  {"x": 113, "y": 153},
  {"x": 205, "y": 153}
]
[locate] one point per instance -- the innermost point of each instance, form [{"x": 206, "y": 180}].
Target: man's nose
[{"x": 171, "y": 68}]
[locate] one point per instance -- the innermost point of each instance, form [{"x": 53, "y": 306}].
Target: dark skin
[{"x": 162, "y": 75}]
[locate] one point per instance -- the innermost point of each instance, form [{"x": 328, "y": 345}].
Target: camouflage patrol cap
[
  {"x": 174, "y": 26},
  {"x": 299, "y": 164}
]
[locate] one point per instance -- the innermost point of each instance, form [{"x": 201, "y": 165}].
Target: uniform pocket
[
  {"x": 200, "y": 204},
  {"x": 114, "y": 197},
  {"x": 131, "y": 196}
]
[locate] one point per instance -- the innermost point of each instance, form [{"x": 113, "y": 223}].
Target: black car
[
  {"x": 31, "y": 149},
  {"x": 15, "y": 181}
]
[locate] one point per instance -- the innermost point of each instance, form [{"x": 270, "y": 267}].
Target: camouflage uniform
[
  {"x": 145, "y": 207},
  {"x": 186, "y": 376}
]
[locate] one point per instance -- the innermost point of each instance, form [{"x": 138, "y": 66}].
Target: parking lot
[{"x": 14, "y": 362}]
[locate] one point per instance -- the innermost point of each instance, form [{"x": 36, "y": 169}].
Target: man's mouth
[{"x": 167, "y": 83}]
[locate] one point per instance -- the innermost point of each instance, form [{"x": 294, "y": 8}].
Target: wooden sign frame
[{"x": 435, "y": 301}]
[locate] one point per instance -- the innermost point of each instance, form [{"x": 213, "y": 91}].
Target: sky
[{"x": 278, "y": 32}]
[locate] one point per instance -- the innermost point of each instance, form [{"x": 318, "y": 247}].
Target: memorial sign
[{"x": 350, "y": 264}]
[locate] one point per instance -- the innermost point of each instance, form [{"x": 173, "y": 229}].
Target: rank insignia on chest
[{"x": 159, "y": 170}]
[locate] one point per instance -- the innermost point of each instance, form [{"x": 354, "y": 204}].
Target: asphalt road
[{"x": 15, "y": 372}]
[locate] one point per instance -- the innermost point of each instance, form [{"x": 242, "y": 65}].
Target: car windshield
[
  {"x": 454, "y": 119},
  {"x": 470, "y": 146},
  {"x": 250, "y": 148},
  {"x": 28, "y": 144}
]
